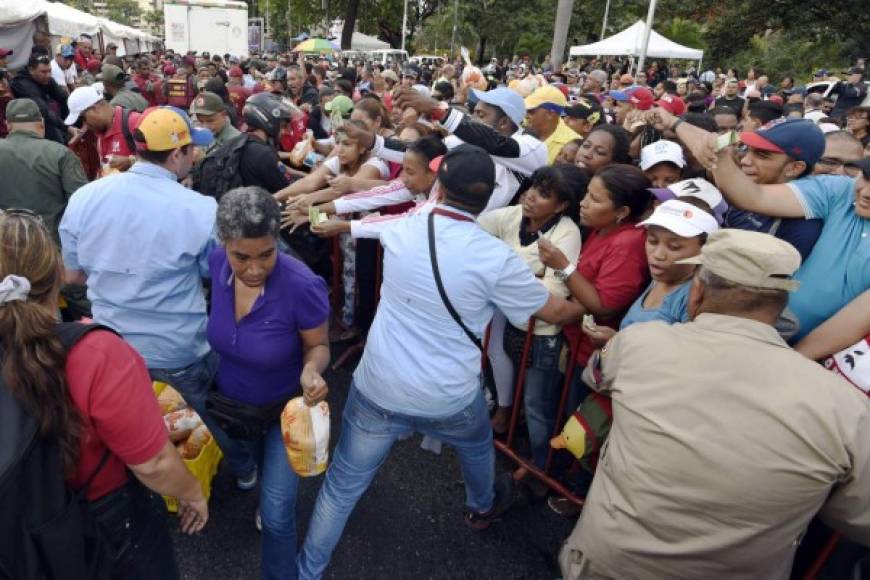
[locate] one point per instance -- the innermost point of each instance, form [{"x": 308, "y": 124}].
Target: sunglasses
[{"x": 43, "y": 60}]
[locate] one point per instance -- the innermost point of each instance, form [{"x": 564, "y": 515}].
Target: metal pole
[
  {"x": 604, "y": 22},
  {"x": 455, "y": 24},
  {"x": 649, "y": 23},
  {"x": 404, "y": 23}
]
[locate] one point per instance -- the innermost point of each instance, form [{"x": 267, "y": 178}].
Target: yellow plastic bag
[{"x": 306, "y": 436}]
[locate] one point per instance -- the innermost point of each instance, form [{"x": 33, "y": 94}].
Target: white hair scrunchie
[{"x": 14, "y": 288}]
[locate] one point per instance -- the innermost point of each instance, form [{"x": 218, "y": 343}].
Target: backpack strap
[
  {"x": 70, "y": 333},
  {"x": 125, "y": 129}
]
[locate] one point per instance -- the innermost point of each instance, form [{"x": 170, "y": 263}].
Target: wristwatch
[{"x": 563, "y": 275}]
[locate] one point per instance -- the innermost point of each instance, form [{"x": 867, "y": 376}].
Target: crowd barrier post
[
  {"x": 506, "y": 447},
  {"x": 823, "y": 556}
]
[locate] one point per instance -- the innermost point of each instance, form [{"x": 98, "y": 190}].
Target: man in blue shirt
[
  {"x": 140, "y": 241},
  {"x": 838, "y": 268},
  {"x": 420, "y": 370},
  {"x": 776, "y": 153}
]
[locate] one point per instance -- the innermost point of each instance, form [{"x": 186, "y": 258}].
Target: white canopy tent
[
  {"x": 67, "y": 21},
  {"x": 361, "y": 41},
  {"x": 20, "y": 20},
  {"x": 629, "y": 42}
]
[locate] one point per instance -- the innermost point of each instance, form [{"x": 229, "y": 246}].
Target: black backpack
[
  {"x": 219, "y": 171},
  {"x": 46, "y": 529}
]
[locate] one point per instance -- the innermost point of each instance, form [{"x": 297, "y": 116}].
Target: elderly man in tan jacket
[{"x": 725, "y": 441}]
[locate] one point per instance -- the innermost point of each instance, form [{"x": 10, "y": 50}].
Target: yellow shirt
[{"x": 561, "y": 136}]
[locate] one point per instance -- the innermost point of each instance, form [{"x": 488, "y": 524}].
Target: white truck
[{"x": 216, "y": 26}]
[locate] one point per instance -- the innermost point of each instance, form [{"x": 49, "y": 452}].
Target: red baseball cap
[
  {"x": 236, "y": 71},
  {"x": 641, "y": 98},
  {"x": 775, "y": 99},
  {"x": 4, "y": 52},
  {"x": 169, "y": 69},
  {"x": 672, "y": 104}
]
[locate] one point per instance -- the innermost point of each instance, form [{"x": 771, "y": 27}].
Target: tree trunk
[
  {"x": 560, "y": 32},
  {"x": 481, "y": 49},
  {"x": 349, "y": 24}
]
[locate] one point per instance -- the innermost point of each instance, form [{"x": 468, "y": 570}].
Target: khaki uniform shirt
[
  {"x": 39, "y": 175},
  {"x": 725, "y": 443},
  {"x": 129, "y": 100}
]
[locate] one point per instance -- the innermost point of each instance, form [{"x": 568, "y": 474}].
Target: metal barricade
[{"x": 507, "y": 446}]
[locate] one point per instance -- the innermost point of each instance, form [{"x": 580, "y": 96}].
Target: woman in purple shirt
[{"x": 269, "y": 325}]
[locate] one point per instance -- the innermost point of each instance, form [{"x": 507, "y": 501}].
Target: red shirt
[
  {"x": 238, "y": 96},
  {"x": 155, "y": 96},
  {"x": 113, "y": 142},
  {"x": 616, "y": 266},
  {"x": 110, "y": 386}
]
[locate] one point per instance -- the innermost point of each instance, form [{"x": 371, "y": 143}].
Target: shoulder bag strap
[
  {"x": 434, "y": 258},
  {"x": 488, "y": 375}
]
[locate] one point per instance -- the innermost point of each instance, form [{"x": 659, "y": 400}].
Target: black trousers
[{"x": 135, "y": 521}]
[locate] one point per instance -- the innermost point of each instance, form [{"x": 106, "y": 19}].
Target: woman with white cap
[{"x": 676, "y": 230}]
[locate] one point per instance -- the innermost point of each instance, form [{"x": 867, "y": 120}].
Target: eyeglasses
[{"x": 834, "y": 163}]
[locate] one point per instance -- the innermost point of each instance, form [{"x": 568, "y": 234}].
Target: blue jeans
[
  {"x": 367, "y": 434},
  {"x": 541, "y": 394},
  {"x": 278, "y": 486},
  {"x": 193, "y": 383}
]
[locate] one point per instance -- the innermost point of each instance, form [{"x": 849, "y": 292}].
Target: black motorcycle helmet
[{"x": 267, "y": 112}]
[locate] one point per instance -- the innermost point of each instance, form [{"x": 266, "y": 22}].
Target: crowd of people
[{"x": 679, "y": 259}]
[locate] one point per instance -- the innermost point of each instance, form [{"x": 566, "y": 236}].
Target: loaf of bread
[
  {"x": 170, "y": 400},
  {"x": 192, "y": 446}
]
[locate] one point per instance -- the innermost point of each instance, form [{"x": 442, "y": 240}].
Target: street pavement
[{"x": 407, "y": 525}]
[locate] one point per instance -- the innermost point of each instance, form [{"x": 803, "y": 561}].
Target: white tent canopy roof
[
  {"x": 361, "y": 41},
  {"x": 65, "y": 20},
  {"x": 629, "y": 42}
]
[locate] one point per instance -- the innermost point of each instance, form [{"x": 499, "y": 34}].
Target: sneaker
[
  {"x": 504, "y": 498},
  {"x": 258, "y": 521},
  {"x": 564, "y": 506},
  {"x": 248, "y": 482}
]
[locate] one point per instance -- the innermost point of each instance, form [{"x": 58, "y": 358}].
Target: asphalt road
[{"x": 408, "y": 524}]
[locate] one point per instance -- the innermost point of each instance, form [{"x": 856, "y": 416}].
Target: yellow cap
[
  {"x": 749, "y": 259},
  {"x": 547, "y": 96},
  {"x": 167, "y": 128}
]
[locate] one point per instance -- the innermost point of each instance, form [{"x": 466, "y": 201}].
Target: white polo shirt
[{"x": 417, "y": 359}]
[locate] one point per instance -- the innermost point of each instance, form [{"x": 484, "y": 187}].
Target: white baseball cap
[
  {"x": 662, "y": 151},
  {"x": 81, "y": 99},
  {"x": 695, "y": 187},
  {"x": 684, "y": 219}
]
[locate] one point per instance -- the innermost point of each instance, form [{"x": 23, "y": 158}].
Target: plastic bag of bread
[
  {"x": 170, "y": 400},
  {"x": 471, "y": 75},
  {"x": 306, "y": 436},
  {"x": 182, "y": 420},
  {"x": 192, "y": 446},
  {"x": 302, "y": 149}
]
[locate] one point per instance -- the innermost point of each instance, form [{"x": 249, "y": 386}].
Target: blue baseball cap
[
  {"x": 798, "y": 138},
  {"x": 619, "y": 96},
  {"x": 67, "y": 51},
  {"x": 509, "y": 101}
]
